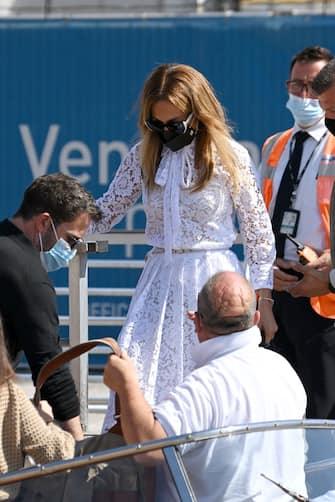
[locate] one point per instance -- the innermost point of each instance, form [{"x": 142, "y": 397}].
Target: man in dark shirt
[{"x": 54, "y": 215}]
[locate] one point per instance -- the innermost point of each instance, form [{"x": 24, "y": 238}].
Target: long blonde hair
[{"x": 187, "y": 89}]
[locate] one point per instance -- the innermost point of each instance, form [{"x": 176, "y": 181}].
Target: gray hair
[{"x": 215, "y": 309}]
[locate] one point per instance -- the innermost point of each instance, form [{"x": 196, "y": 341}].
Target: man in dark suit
[{"x": 42, "y": 236}]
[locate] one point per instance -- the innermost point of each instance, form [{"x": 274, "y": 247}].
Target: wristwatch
[{"x": 331, "y": 282}]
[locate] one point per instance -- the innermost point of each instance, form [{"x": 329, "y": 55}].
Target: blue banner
[{"x": 69, "y": 90}]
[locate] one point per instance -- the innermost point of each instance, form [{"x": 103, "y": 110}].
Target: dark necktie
[{"x": 283, "y": 200}]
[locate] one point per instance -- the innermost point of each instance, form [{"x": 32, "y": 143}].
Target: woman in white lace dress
[{"x": 194, "y": 180}]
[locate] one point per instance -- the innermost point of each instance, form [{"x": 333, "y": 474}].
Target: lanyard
[{"x": 296, "y": 182}]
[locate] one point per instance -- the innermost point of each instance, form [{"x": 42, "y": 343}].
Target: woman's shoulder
[
  {"x": 135, "y": 149},
  {"x": 240, "y": 151}
]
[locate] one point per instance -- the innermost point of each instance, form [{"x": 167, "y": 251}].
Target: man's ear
[
  {"x": 257, "y": 317},
  {"x": 42, "y": 222}
]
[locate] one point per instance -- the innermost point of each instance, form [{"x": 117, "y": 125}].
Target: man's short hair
[
  {"x": 311, "y": 54},
  {"x": 212, "y": 311},
  {"x": 325, "y": 78},
  {"x": 63, "y": 197}
]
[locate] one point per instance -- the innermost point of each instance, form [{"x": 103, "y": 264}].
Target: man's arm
[
  {"x": 314, "y": 283},
  {"x": 28, "y": 303},
  {"x": 73, "y": 426},
  {"x": 137, "y": 418},
  {"x": 43, "y": 344}
]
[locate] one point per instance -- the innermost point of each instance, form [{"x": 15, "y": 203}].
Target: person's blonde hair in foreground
[{"x": 23, "y": 431}]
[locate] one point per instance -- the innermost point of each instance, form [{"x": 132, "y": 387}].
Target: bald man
[{"x": 235, "y": 382}]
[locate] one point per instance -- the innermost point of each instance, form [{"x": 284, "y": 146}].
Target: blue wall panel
[
  {"x": 75, "y": 84},
  {"x": 68, "y": 89}
]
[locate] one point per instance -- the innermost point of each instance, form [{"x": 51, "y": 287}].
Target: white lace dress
[{"x": 191, "y": 233}]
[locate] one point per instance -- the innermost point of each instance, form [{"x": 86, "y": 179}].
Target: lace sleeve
[
  {"x": 122, "y": 193},
  {"x": 255, "y": 226}
]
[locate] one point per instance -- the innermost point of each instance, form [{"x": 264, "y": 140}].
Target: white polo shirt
[{"x": 238, "y": 382}]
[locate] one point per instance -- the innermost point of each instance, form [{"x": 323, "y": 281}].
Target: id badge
[{"x": 289, "y": 224}]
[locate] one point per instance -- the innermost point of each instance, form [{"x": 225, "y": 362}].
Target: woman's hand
[
  {"x": 267, "y": 323},
  {"x": 120, "y": 373}
]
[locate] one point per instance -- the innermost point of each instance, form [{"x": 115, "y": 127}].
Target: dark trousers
[{"x": 307, "y": 341}]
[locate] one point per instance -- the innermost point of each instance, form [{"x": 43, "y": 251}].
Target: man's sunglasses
[
  {"x": 73, "y": 241},
  {"x": 177, "y": 127}
]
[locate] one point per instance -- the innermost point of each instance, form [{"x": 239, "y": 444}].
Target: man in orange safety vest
[{"x": 297, "y": 175}]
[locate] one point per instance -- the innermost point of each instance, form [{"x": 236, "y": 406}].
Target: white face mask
[
  {"x": 58, "y": 256},
  {"x": 306, "y": 111}
]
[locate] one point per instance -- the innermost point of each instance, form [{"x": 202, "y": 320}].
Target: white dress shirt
[
  {"x": 238, "y": 382},
  {"x": 310, "y": 228}
]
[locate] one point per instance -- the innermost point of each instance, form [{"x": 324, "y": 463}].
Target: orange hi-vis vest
[{"x": 271, "y": 153}]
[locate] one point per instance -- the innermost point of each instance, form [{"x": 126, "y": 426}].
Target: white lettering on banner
[
  {"x": 39, "y": 164},
  {"x": 65, "y": 159},
  {"x": 99, "y": 309},
  {"x": 105, "y": 150}
]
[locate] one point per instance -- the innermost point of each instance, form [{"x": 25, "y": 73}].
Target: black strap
[{"x": 283, "y": 199}]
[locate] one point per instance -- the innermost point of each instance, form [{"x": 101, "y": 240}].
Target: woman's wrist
[
  {"x": 264, "y": 295},
  {"x": 266, "y": 299}
]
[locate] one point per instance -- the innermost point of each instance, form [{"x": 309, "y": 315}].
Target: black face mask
[
  {"x": 330, "y": 124},
  {"x": 177, "y": 141}
]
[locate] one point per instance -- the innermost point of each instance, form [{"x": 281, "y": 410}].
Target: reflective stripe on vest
[{"x": 271, "y": 153}]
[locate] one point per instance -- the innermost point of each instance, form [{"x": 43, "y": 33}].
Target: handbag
[{"x": 119, "y": 480}]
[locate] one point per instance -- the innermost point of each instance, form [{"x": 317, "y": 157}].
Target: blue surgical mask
[
  {"x": 306, "y": 111},
  {"x": 58, "y": 256}
]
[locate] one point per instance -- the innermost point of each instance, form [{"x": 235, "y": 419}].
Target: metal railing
[
  {"x": 170, "y": 442},
  {"x": 79, "y": 292}
]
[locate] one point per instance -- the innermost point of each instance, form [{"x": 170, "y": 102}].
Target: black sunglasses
[
  {"x": 73, "y": 241},
  {"x": 178, "y": 127}
]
